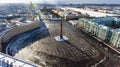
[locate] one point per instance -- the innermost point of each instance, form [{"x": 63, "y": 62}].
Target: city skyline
[{"x": 63, "y": 1}]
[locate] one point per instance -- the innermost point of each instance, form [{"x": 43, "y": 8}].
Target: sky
[{"x": 63, "y": 1}]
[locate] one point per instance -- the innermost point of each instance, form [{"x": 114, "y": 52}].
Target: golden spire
[{"x": 31, "y": 5}]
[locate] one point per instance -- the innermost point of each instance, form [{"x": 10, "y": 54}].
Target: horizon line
[{"x": 61, "y": 3}]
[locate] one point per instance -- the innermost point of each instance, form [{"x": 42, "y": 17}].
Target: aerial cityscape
[{"x": 54, "y": 33}]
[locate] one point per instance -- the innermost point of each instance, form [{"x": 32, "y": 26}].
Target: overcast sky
[{"x": 63, "y": 1}]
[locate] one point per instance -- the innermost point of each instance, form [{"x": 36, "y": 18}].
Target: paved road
[{"x": 41, "y": 48}]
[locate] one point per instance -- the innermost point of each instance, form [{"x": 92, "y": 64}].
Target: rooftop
[{"x": 91, "y": 13}]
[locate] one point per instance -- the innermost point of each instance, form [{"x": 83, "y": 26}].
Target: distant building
[{"x": 91, "y": 13}]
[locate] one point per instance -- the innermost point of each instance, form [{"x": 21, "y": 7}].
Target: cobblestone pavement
[{"x": 40, "y": 47}]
